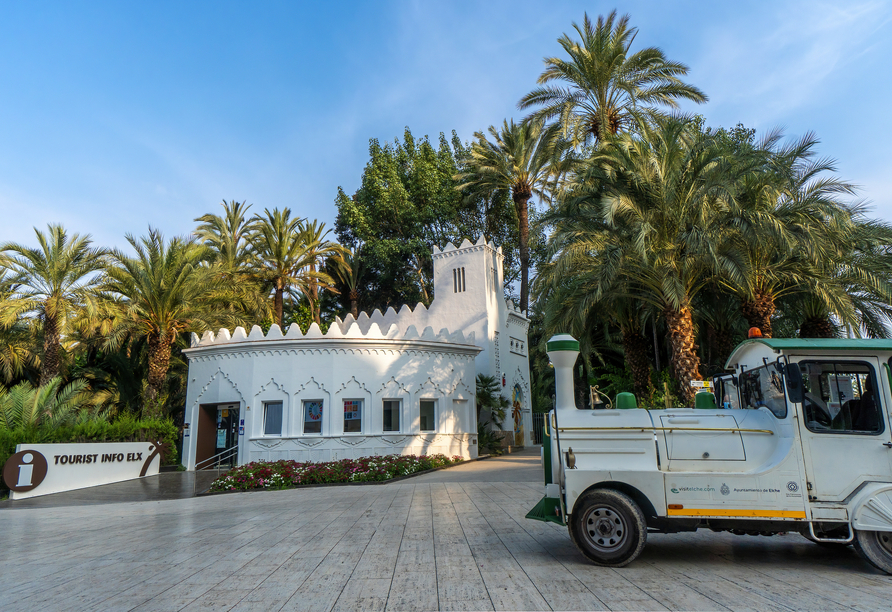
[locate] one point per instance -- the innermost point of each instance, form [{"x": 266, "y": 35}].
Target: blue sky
[{"x": 118, "y": 115}]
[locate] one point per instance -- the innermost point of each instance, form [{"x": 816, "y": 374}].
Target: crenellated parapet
[
  {"x": 348, "y": 329},
  {"x": 465, "y": 247}
]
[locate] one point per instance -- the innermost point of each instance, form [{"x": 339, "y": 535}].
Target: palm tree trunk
[
  {"x": 279, "y": 306},
  {"x": 354, "y": 303},
  {"x": 635, "y": 346},
  {"x": 684, "y": 358},
  {"x": 49, "y": 366},
  {"x": 521, "y": 200},
  {"x": 159, "y": 363},
  {"x": 314, "y": 297},
  {"x": 758, "y": 312},
  {"x": 817, "y": 327},
  {"x": 724, "y": 344}
]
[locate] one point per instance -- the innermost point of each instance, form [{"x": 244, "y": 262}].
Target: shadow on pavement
[{"x": 167, "y": 485}]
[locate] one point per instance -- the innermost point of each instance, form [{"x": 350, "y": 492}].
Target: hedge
[{"x": 123, "y": 429}]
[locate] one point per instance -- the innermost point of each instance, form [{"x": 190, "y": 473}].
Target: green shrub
[{"x": 489, "y": 441}]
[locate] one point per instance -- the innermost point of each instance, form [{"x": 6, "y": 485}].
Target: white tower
[{"x": 468, "y": 295}]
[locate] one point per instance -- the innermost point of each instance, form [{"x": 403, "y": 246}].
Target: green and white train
[{"x": 797, "y": 438}]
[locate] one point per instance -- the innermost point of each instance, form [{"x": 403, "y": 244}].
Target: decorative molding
[
  {"x": 415, "y": 345},
  {"x": 310, "y": 442},
  {"x": 429, "y": 383},
  {"x": 358, "y": 384},
  {"x": 391, "y": 383},
  {"x": 268, "y": 444},
  {"x": 313, "y": 381},
  {"x": 271, "y": 381},
  {"x": 351, "y": 441},
  {"x": 461, "y": 383},
  {"x": 220, "y": 372}
]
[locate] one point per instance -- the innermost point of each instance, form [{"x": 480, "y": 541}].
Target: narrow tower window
[{"x": 458, "y": 280}]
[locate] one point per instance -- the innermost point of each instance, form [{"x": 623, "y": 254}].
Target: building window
[
  {"x": 458, "y": 280},
  {"x": 352, "y": 416},
  {"x": 392, "y": 415},
  {"x": 428, "y": 415},
  {"x": 272, "y": 418},
  {"x": 312, "y": 416}
]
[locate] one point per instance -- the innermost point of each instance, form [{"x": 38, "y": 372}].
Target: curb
[{"x": 343, "y": 484}]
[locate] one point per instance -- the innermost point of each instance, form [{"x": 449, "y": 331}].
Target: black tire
[
  {"x": 876, "y": 548},
  {"x": 608, "y": 527}
]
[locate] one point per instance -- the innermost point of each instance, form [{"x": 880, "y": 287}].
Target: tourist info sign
[{"x": 41, "y": 469}]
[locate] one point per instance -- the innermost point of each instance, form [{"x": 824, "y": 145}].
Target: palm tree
[
  {"x": 318, "y": 249},
  {"x": 51, "y": 404},
  {"x": 51, "y": 283},
  {"x": 228, "y": 236},
  {"x": 17, "y": 339},
  {"x": 164, "y": 291},
  {"x": 489, "y": 398},
  {"x": 652, "y": 226},
  {"x": 350, "y": 268},
  {"x": 607, "y": 88},
  {"x": 788, "y": 218},
  {"x": 573, "y": 304},
  {"x": 524, "y": 160},
  {"x": 229, "y": 239},
  {"x": 852, "y": 288},
  {"x": 283, "y": 256}
]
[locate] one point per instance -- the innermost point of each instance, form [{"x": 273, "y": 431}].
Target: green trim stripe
[{"x": 562, "y": 345}]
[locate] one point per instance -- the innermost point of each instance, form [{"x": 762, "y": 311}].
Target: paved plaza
[{"x": 455, "y": 539}]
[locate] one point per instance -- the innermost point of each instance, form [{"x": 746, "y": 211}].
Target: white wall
[{"x": 334, "y": 370}]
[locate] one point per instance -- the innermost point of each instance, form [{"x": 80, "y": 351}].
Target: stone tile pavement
[{"x": 421, "y": 544}]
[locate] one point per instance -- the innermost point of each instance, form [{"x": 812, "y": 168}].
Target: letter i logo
[{"x": 24, "y": 471}]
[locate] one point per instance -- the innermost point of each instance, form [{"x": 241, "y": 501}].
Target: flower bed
[{"x": 285, "y": 474}]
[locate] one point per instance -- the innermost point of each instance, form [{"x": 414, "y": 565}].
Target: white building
[{"x": 393, "y": 383}]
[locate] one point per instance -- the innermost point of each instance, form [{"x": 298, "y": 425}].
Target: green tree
[
  {"x": 652, "y": 224},
  {"x": 52, "y": 405},
  {"x": 228, "y": 236},
  {"x": 399, "y": 213},
  {"x": 607, "y": 89},
  {"x": 489, "y": 398},
  {"x": 17, "y": 339},
  {"x": 349, "y": 269},
  {"x": 283, "y": 256},
  {"x": 406, "y": 204},
  {"x": 318, "y": 250},
  {"x": 788, "y": 218},
  {"x": 51, "y": 283},
  {"x": 166, "y": 290},
  {"x": 523, "y": 160},
  {"x": 853, "y": 286}
]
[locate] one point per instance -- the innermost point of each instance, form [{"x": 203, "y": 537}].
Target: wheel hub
[
  {"x": 604, "y": 529},
  {"x": 884, "y": 539}
]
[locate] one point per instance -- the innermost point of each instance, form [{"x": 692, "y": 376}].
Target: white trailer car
[{"x": 798, "y": 438}]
